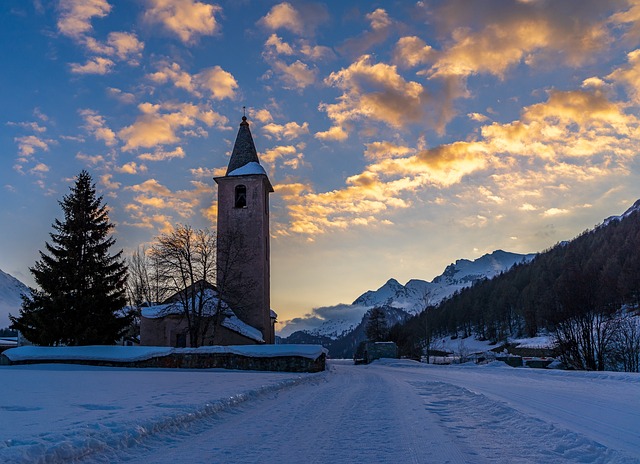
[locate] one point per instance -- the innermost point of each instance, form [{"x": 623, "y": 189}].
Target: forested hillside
[{"x": 582, "y": 291}]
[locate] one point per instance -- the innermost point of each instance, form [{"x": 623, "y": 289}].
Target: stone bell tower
[{"x": 243, "y": 261}]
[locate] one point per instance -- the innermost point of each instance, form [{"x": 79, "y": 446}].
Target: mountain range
[
  {"x": 10, "y": 300},
  {"x": 341, "y": 327}
]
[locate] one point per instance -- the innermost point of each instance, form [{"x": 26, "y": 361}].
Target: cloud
[
  {"x": 296, "y": 75},
  {"x": 477, "y": 117},
  {"x": 39, "y": 169},
  {"x": 96, "y": 125},
  {"x": 382, "y": 150},
  {"x": 29, "y": 144},
  {"x": 579, "y": 123},
  {"x": 334, "y": 133},
  {"x": 188, "y": 19},
  {"x": 278, "y": 45},
  {"x": 76, "y": 15},
  {"x": 161, "y": 155},
  {"x": 215, "y": 81},
  {"x": 283, "y": 16},
  {"x": 123, "y": 97},
  {"x": 131, "y": 168},
  {"x": 96, "y": 65},
  {"x": 577, "y": 137},
  {"x": 92, "y": 160},
  {"x": 629, "y": 75},
  {"x": 122, "y": 45},
  {"x": 158, "y": 124},
  {"x": 107, "y": 181},
  {"x": 380, "y": 27},
  {"x": 262, "y": 115},
  {"x": 375, "y": 92},
  {"x": 555, "y": 212},
  {"x": 572, "y": 32},
  {"x": 271, "y": 155},
  {"x": 316, "y": 52},
  {"x": 412, "y": 51},
  {"x": 289, "y": 131},
  {"x": 203, "y": 172},
  {"x": 155, "y": 205},
  {"x": 219, "y": 83},
  {"x": 351, "y": 314},
  {"x": 32, "y": 126}
]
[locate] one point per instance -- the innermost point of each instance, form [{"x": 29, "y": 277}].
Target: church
[{"x": 242, "y": 260}]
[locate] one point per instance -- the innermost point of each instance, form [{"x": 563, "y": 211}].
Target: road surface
[{"x": 399, "y": 412}]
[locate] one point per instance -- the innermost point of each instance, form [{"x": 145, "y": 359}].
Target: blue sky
[{"x": 399, "y": 136}]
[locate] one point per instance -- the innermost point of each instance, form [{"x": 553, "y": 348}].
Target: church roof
[{"x": 244, "y": 150}]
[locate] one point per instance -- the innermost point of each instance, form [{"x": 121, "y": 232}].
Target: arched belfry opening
[
  {"x": 240, "y": 197},
  {"x": 243, "y": 255}
]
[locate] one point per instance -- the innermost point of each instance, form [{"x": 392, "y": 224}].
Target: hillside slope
[{"x": 10, "y": 300}]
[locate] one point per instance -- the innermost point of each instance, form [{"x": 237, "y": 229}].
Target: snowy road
[
  {"x": 387, "y": 412},
  {"x": 399, "y": 412}
]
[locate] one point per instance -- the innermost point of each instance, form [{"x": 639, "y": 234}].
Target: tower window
[{"x": 241, "y": 196}]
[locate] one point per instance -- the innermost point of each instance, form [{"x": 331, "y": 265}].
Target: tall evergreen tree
[
  {"x": 376, "y": 328},
  {"x": 81, "y": 286}
]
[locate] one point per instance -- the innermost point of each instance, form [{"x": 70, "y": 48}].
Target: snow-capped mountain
[
  {"x": 10, "y": 300},
  {"x": 635, "y": 207},
  {"x": 417, "y": 294},
  {"x": 337, "y": 321}
]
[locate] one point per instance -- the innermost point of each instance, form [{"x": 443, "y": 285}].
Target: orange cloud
[
  {"x": 412, "y": 51},
  {"x": 95, "y": 124},
  {"x": 96, "y": 65},
  {"x": 290, "y": 130},
  {"x": 283, "y": 16},
  {"x": 376, "y": 92},
  {"x": 188, "y": 19},
  {"x": 158, "y": 124},
  {"x": 75, "y": 15}
]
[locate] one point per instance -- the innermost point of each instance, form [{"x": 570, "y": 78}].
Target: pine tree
[
  {"x": 81, "y": 286},
  {"x": 376, "y": 328}
]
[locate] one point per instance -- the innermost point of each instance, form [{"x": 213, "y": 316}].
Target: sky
[{"x": 399, "y": 136}]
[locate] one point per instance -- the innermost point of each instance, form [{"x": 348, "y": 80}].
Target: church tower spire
[
  {"x": 243, "y": 254},
  {"x": 244, "y": 150}
]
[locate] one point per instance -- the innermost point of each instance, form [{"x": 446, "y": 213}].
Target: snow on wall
[{"x": 141, "y": 353}]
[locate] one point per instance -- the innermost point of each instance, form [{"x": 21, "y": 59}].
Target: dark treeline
[{"x": 573, "y": 290}]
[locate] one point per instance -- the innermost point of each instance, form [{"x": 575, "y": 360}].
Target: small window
[
  {"x": 181, "y": 340},
  {"x": 241, "y": 196}
]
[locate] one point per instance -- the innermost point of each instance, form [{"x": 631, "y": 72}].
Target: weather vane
[{"x": 244, "y": 112}]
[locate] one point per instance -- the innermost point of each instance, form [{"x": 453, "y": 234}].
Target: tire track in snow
[{"x": 502, "y": 434}]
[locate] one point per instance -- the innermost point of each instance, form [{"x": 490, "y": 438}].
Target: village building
[{"x": 243, "y": 262}]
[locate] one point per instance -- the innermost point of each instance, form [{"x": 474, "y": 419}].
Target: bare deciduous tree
[
  {"x": 144, "y": 286},
  {"x": 185, "y": 263}
]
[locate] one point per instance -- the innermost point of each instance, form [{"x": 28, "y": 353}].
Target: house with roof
[{"x": 238, "y": 306}]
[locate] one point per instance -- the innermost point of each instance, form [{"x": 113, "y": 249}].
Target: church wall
[{"x": 163, "y": 331}]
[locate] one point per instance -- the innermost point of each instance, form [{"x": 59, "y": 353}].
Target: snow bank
[
  {"x": 141, "y": 353},
  {"x": 64, "y": 413}
]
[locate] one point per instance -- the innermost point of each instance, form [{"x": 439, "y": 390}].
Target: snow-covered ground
[{"x": 388, "y": 412}]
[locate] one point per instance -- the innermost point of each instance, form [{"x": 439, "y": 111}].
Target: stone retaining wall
[{"x": 201, "y": 361}]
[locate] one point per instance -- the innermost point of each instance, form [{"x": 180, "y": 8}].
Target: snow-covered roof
[
  {"x": 248, "y": 169},
  {"x": 230, "y": 321},
  {"x": 139, "y": 353},
  {"x": 233, "y": 323}
]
